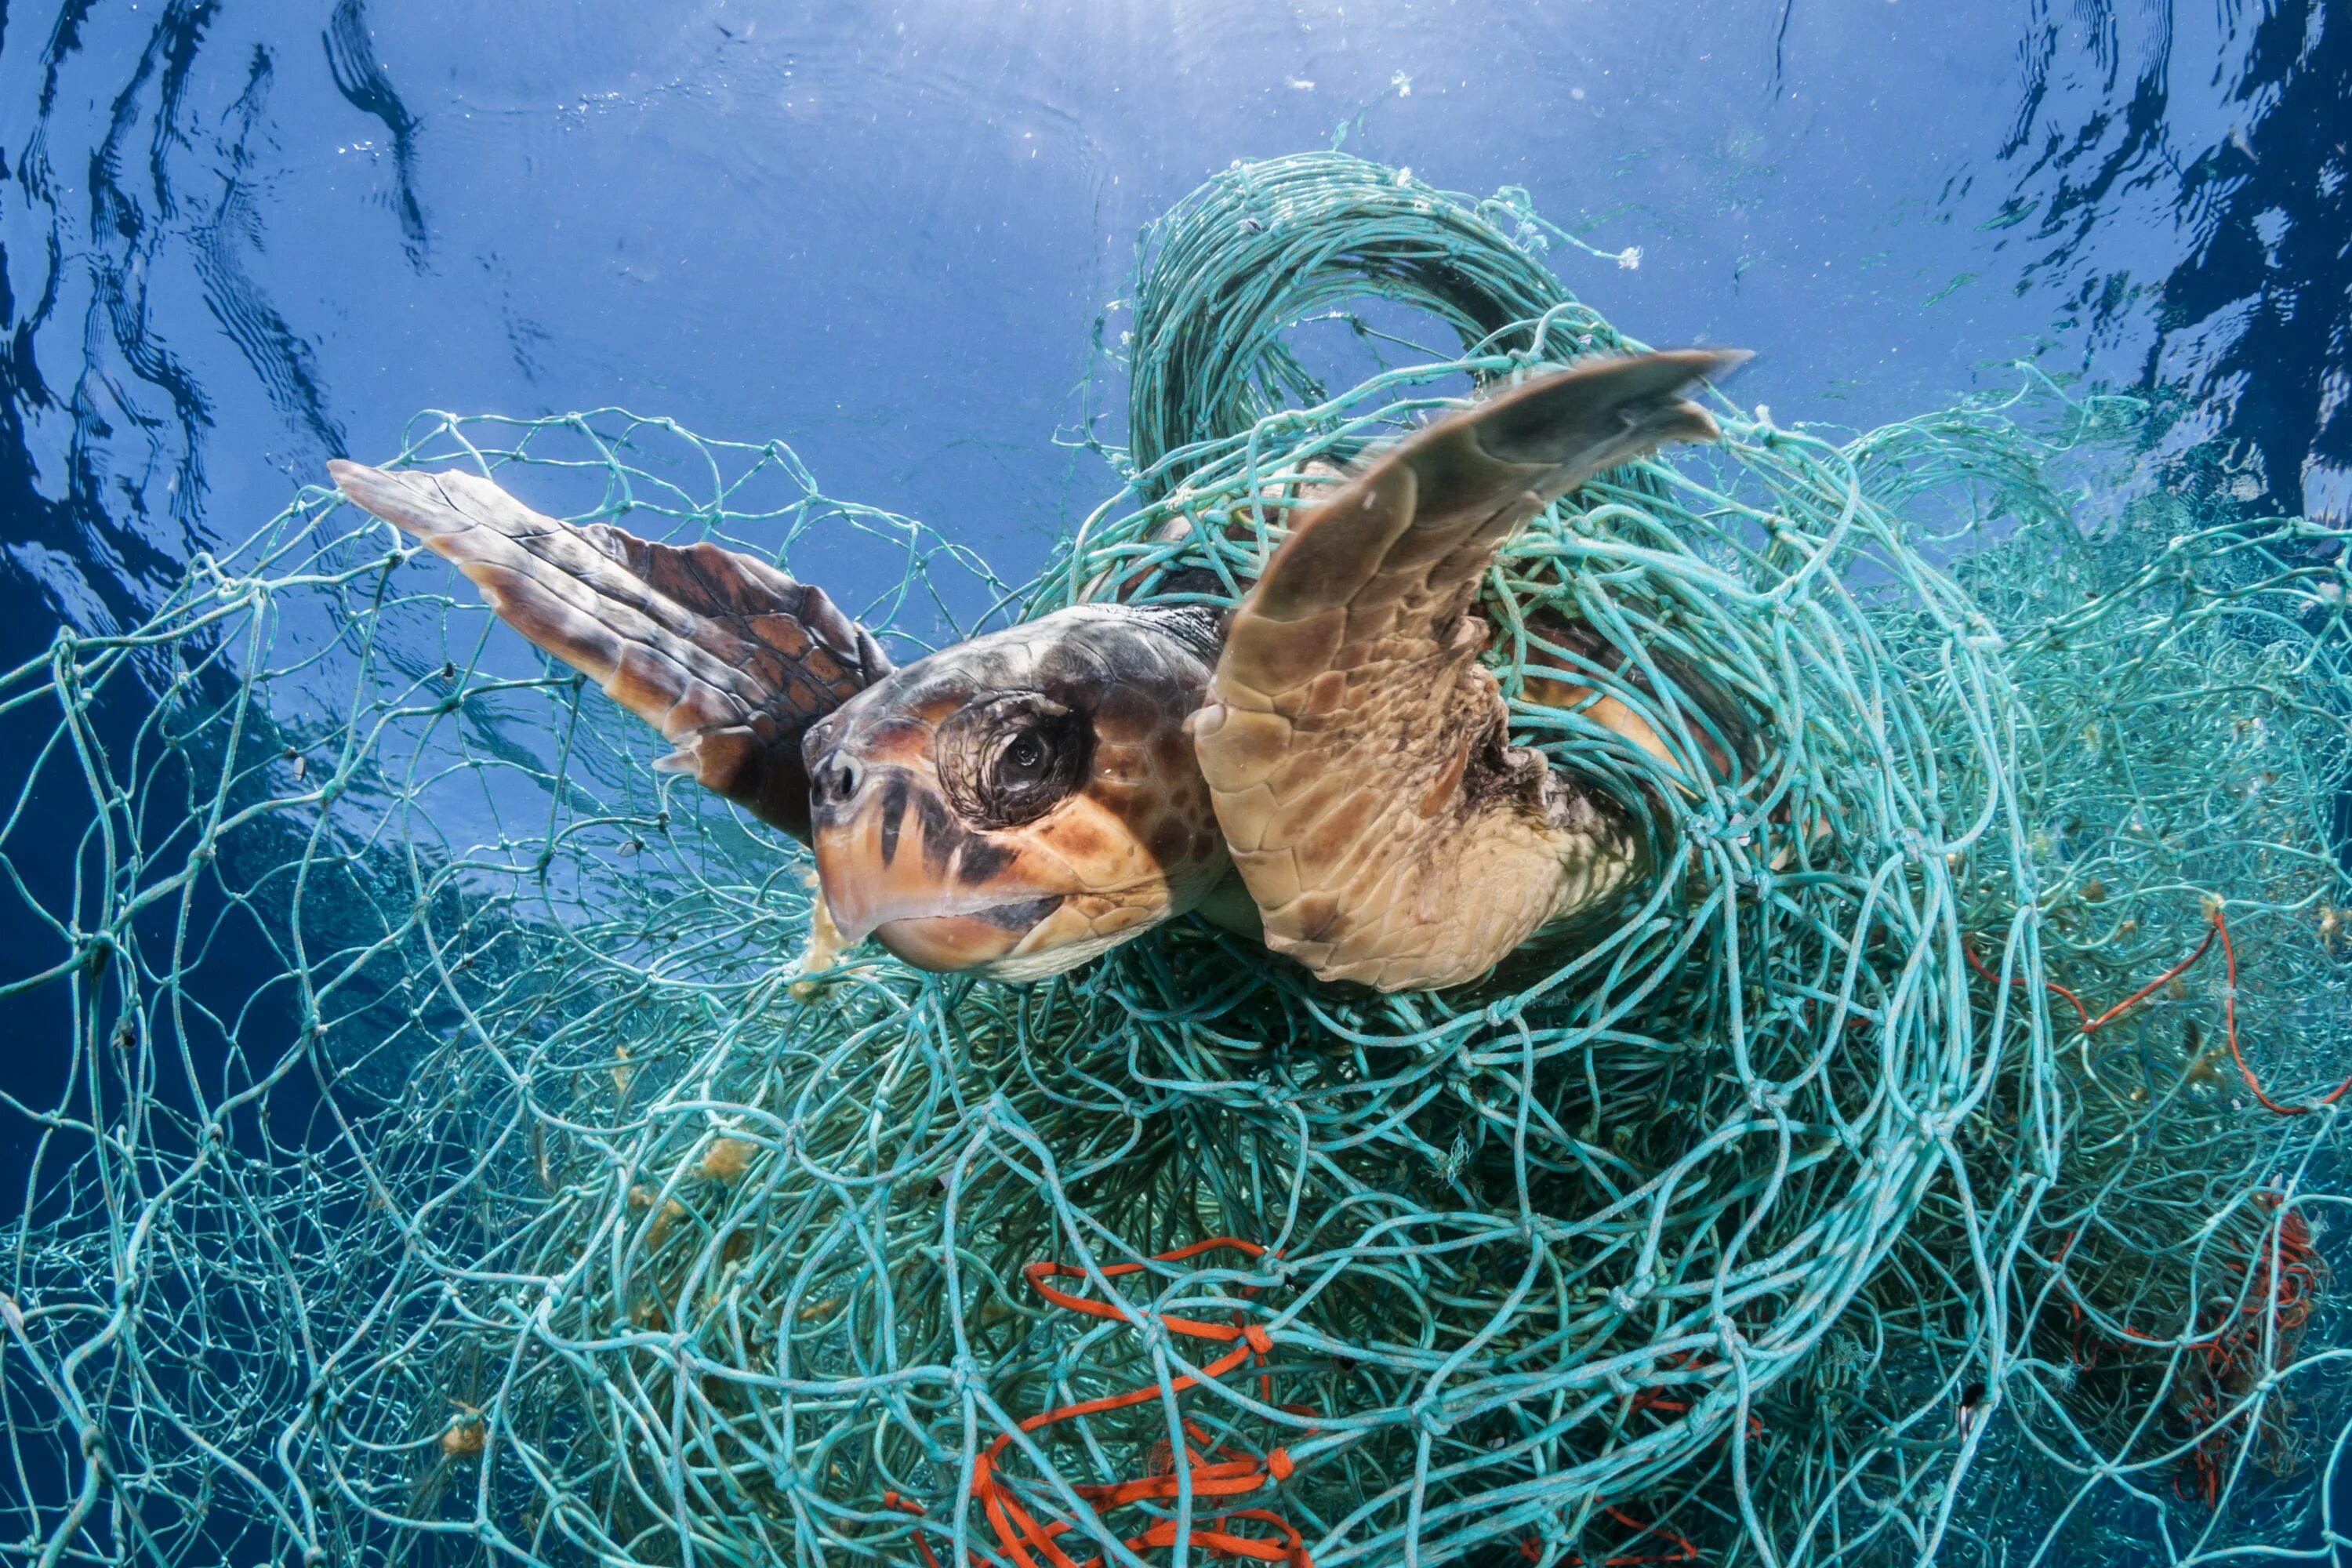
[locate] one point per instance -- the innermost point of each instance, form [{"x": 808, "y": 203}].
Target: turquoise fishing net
[{"x": 448, "y": 1156}]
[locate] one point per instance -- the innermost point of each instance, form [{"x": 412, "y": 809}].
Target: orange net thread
[
  {"x": 1212, "y": 1471},
  {"x": 2219, "y": 928}
]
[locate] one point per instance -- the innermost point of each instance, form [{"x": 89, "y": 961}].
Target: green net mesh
[{"x": 446, "y": 1156}]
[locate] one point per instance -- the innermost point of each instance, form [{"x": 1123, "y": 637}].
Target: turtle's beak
[{"x": 896, "y": 865}]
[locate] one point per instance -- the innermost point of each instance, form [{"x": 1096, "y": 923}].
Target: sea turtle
[{"x": 1333, "y": 752}]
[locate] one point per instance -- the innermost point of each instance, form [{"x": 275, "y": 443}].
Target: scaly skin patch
[
  {"x": 1355, "y": 747},
  {"x": 731, "y": 659}
]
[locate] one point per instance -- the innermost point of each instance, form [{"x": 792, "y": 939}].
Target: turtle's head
[{"x": 1018, "y": 804}]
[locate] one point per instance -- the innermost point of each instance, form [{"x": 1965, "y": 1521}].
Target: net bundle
[{"x": 449, "y": 1156}]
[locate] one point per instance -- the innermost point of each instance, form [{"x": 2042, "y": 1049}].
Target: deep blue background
[{"x": 243, "y": 236}]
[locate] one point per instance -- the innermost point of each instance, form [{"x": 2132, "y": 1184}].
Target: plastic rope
[{"x": 442, "y": 1155}]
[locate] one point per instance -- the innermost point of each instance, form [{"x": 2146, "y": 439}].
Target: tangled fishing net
[{"x": 446, "y": 1157}]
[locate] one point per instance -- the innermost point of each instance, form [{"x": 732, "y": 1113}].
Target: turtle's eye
[
  {"x": 1011, "y": 759},
  {"x": 1023, "y": 762}
]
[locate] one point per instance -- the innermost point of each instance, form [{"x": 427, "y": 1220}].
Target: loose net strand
[{"x": 444, "y": 1154}]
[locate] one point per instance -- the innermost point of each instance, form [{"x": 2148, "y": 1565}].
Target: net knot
[
  {"x": 1278, "y": 1465},
  {"x": 1258, "y": 1339}
]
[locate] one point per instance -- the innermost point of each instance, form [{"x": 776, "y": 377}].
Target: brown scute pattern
[
  {"x": 730, "y": 658},
  {"x": 1354, "y": 745}
]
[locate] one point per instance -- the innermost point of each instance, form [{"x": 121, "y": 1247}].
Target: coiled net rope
[{"x": 445, "y": 1158}]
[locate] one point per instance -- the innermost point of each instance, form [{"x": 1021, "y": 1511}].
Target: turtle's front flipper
[
  {"x": 1355, "y": 747},
  {"x": 731, "y": 659}
]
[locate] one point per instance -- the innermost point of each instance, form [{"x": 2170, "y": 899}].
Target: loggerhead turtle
[{"x": 1018, "y": 804}]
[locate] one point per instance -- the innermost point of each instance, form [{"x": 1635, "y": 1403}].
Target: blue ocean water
[{"x": 242, "y": 239}]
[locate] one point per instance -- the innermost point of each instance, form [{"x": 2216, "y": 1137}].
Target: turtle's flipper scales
[
  {"x": 1355, "y": 747},
  {"x": 730, "y": 658}
]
